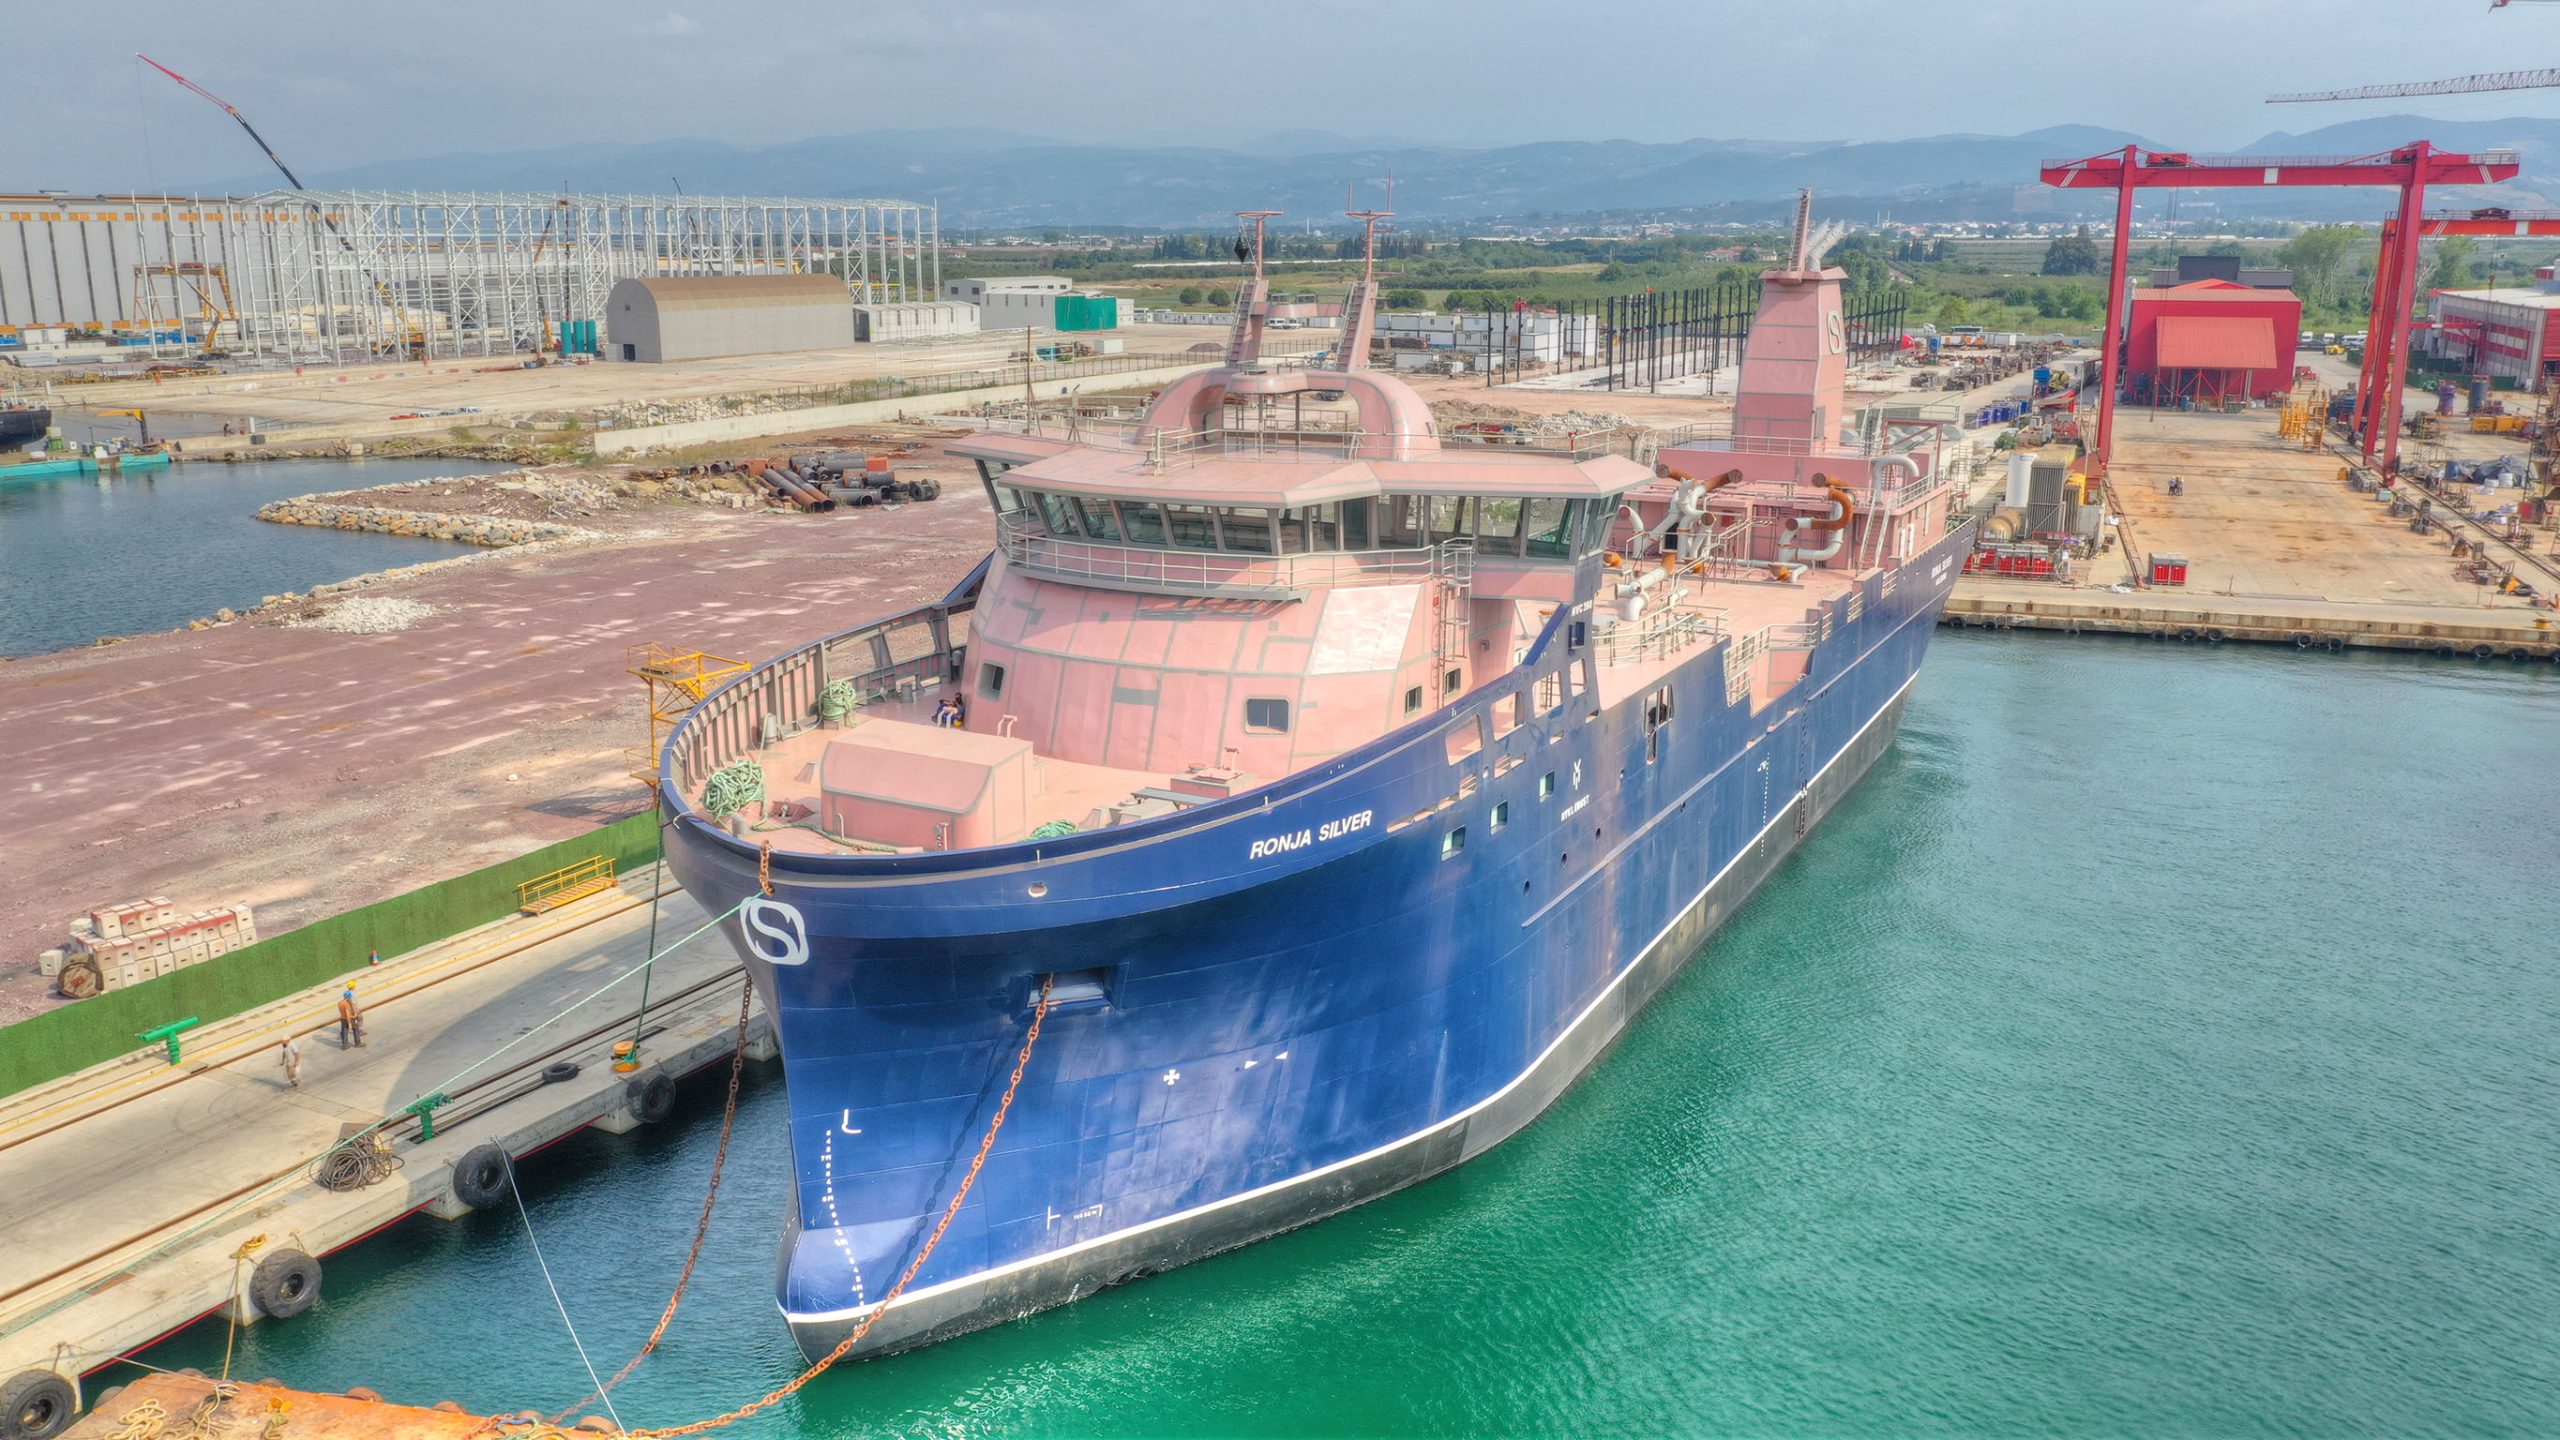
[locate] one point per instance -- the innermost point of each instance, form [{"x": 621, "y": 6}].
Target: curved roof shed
[{"x": 699, "y": 317}]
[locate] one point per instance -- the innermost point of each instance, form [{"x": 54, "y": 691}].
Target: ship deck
[{"x": 1774, "y": 624}]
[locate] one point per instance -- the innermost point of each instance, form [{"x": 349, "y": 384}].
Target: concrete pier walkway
[{"x": 130, "y": 1186}]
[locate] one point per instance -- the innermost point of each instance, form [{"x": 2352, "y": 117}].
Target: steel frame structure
[
  {"x": 329, "y": 276},
  {"x": 2411, "y": 168}
]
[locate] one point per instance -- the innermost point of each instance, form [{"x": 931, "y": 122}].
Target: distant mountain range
[{"x": 991, "y": 178}]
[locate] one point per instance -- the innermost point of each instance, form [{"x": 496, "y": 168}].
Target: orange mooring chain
[
  {"x": 950, "y": 1212},
  {"x": 701, "y": 1227},
  {"x": 764, "y": 868}
]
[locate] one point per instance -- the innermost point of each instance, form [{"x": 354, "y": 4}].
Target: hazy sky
[{"x": 347, "y": 81}]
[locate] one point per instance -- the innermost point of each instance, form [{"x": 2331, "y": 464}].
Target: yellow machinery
[
  {"x": 139, "y": 419},
  {"x": 2305, "y": 416},
  {"x": 677, "y": 680},
  {"x": 212, "y": 287}
]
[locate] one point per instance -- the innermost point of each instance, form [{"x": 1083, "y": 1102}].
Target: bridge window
[
  {"x": 1550, "y": 529},
  {"x": 1191, "y": 527},
  {"x": 1142, "y": 522},
  {"x": 1248, "y": 530},
  {"x": 1498, "y": 525},
  {"x": 1355, "y": 524},
  {"x": 1400, "y": 522},
  {"x": 1008, "y": 498},
  {"x": 1098, "y": 519},
  {"x": 1448, "y": 518},
  {"x": 1267, "y": 717},
  {"x": 1057, "y": 514},
  {"x": 1602, "y": 518}
]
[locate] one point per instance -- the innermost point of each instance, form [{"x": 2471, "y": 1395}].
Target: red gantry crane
[
  {"x": 2489, "y": 221},
  {"x": 2411, "y": 168}
]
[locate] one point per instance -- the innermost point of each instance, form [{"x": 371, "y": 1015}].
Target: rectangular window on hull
[
  {"x": 1269, "y": 717},
  {"x": 1453, "y": 842},
  {"x": 991, "y": 680}
]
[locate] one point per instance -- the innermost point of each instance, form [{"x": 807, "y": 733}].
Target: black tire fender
[
  {"x": 652, "y": 1100},
  {"x": 36, "y": 1405},
  {"x": 286, "y": 1283},
  {"x": 2302, "y": 640},
  {"x": 2187, "y": 636},
  {"x": 2215, "y": 636},
  {"x": 558, "y": 1071},
  {"x": 480, "y": 1176},
  {"x": 2337, "y": 643},
  {"x": 2483, "y": 652}
]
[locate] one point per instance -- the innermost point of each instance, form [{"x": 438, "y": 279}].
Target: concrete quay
[
  {"x": 2304, "y": 623},
  {"x": 2282, "y": 546},
  {"x": 132, "y": 1187}
]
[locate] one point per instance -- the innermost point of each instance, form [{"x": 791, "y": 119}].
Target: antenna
[
  {"x": 1260, "y": 218},
  {"x": 1369, "y": 228}
]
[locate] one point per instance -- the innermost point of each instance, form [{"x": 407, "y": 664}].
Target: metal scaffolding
[{"x": 338, "y": 275}]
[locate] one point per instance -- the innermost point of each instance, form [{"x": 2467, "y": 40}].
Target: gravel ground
[{"x": 366, "y": 615}]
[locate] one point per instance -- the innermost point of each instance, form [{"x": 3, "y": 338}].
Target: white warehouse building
[{"x": 705, "y": 316}]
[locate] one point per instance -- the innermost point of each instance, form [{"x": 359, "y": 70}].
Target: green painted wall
[{"x": 74, "y": 1037}]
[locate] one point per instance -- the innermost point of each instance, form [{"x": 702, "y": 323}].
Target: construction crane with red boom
[{"x": 417, "y": 339}]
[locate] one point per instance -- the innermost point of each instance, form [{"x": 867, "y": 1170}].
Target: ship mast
[
  {"x": 1360, "y": 317},
  {"x": 1244, "y": 341}
]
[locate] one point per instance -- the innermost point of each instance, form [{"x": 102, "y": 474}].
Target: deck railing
[
  {"x": 885, "y": 660},
  {"x": 1159, "y": 570},
  {"x": 1657, "y": 634}
]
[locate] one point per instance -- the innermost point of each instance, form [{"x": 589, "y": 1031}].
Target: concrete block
[
  {"x": 106, "y": 923},
  {"x": 49, "y": 964}
]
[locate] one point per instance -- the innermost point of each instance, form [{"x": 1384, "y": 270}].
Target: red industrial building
[{"x": 2210, "y": 342}]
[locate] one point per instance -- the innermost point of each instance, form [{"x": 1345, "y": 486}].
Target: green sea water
[{"x": 2162, "y": 1042}]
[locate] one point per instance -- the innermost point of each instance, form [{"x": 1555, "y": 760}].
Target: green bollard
[
  {"x": 168, "y": 1034},
  {"x": 424, "y": 1107}
]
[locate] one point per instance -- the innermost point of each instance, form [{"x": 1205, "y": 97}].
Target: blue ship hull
[{"x": 1280, "y": 1005}]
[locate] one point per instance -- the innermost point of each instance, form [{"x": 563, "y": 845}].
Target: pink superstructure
[{"x": 1276, "y": 565}]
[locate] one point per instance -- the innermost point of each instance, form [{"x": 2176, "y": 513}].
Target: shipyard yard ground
[
  {"x": 433, "y": 399},
  {"x": 305, "y": 771}
]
